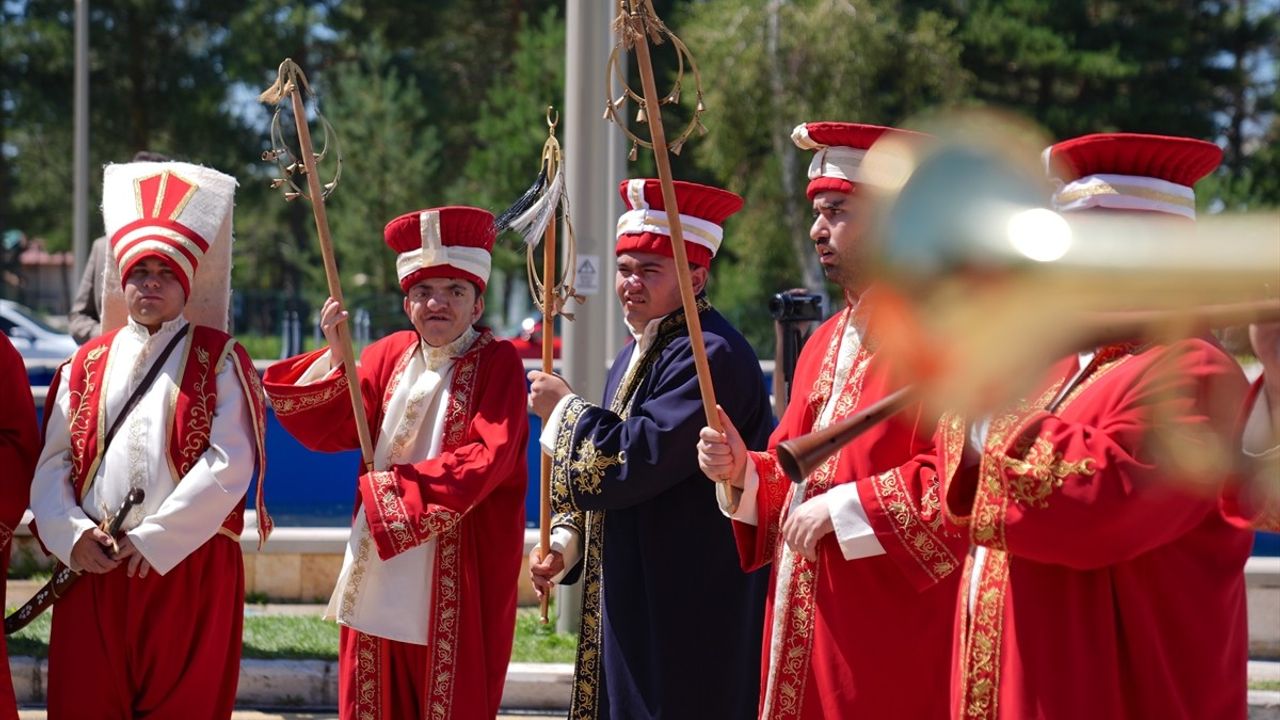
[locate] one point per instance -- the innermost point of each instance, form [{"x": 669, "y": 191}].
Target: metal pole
[
  {"x": 594, "y": 156},
  {"x": 80, "y": 152}
]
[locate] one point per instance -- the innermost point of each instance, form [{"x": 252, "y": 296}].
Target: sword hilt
[{"x": 63, "y": 576}]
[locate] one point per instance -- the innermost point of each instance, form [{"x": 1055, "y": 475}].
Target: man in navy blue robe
[{"x": 671, "y": 625}]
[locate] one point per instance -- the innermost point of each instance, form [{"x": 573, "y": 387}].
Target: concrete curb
[
  {"x": 530, "y": 686},
  {"x": 1264, "y": 705},
  {"x": 314, "y": 683}
]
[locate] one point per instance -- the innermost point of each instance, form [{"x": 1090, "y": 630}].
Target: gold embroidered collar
[{"x": 438, "y": 357}]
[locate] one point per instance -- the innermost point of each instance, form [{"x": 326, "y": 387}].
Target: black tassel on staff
[{"x": 533, "y": 216}]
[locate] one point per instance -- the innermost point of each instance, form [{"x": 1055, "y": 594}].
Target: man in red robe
[
  {"x": 1099, "y": 586},
  {"x": 427, "y": 592},
  {"x": 170, "y": 404},
  {"x": 19, "y": 443},
  {"x": 864, "y": 574}
]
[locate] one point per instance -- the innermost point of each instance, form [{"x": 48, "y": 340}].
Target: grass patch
[
  {"x": 32, "y": 640},
  {"x": 536, "y": 642},
  {"x": 290, "y": 637},
  {"x": 302, "y": 637},
  {"x": 1272, "y": 685}
]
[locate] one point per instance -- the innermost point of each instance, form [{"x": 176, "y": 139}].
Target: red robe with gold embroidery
[
  {"x": 470, "y": 497},
  {"x": 869, "y": 637},
  {"x": 1102, "y": 588},
  {"x": 19, "y": 446}
]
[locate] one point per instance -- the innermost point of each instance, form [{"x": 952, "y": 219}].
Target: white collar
[
  {"x": 438, "y": 357},
  {"x": 645, "y": 337},
  {"x": 139, "y": 332}
]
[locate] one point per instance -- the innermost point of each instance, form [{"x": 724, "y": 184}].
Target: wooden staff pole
[
  {"x": 653, "y": 111},
  {"x": 345, "y": 353},
  {"x": 548, "y": 355}
]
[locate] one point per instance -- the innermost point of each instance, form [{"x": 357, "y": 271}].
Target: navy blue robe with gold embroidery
[{"x": 671, "y": 626}]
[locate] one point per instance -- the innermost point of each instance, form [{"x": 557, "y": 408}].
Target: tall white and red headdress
[{"x": 177, "y": 212}]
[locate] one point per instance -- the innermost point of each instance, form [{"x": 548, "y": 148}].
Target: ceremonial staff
[
  {"x": 637, "y": 25},
  {"x": 63, "y": 576},
  {"x": 291, "y": 82},
  {"x": 534, "y": 216}
]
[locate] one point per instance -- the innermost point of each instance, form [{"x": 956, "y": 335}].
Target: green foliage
[
  {"x": 770, "y": 66},
  {"x": 392, "y": 153}
]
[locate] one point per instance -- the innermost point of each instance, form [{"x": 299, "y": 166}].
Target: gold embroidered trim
[
  {"x": 584, "y": 704},
  {"x": 982, "y": 644},
  {"x": 80, "y": 414},
  {"x": 171, "y": 407},
  {"x": 1101, "y": 187},
  {"x": 200, "y": 415},
  {"x": 589, "y": 469},
  {"x": 1043, "y": 471},
  {"x": 292, "y": 404},
  {"x": 918, "y": 532},
  {"x": 446, "y": 612},
  {"x": 391, "y": 510},
  {"x": 368, "y": 681},
  {"x": 562, "y": 500},
  {"x": 355, "y": 583}
]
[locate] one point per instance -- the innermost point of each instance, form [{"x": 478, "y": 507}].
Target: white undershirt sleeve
[
  {"x": 565, "y": 541},
  {"x": 548, "y": 436},
  {"x": 746, "y": 512},
  {"x": 852, "y": 527}
]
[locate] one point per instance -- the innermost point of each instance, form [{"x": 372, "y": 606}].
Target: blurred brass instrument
[{"x": 982, "y": 285}]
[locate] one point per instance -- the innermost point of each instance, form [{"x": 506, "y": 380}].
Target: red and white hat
[
  {"x": 646, "y": 227},
  {"x": 447, "y": 242},
  {"x": 841, "y": 147},
  {"x": 170, "y": 210},
  {"x": 1130, "y": 171}
]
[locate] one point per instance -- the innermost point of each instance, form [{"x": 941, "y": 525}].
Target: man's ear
[{"x": 698, "y": 276}]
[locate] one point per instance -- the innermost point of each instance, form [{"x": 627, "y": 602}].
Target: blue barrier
[{"x": 310, "y": 489}]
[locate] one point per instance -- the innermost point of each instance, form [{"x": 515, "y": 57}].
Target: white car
[{"x": 31, "y": 336}]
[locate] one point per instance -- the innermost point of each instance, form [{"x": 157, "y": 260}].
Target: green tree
[
  {"x": 770, "y": 66},
  {"x": 509, "y": 134}
]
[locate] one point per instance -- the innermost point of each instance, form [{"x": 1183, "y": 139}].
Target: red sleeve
[
  {"x": 1110, "y": 486},
  {"x": 19, "y": 438},
  {"x": 319, "y": 414},
  {"x": 904, "y": 507},
  {"x": 407, "y": 504},
  {"x": 757, "y": 543}
]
